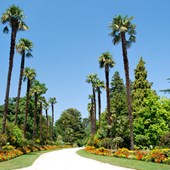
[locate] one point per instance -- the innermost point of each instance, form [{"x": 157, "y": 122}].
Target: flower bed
[
  {"x": 157, "y": 155},
  {"x": 10, "y": 152}
]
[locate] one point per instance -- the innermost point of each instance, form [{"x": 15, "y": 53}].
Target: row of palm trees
[
  {"x": 14, "y": 17},
  {"x": 122, "y": 31}
]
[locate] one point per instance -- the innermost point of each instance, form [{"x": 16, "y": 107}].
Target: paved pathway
[{"x": 67, "y": 159}]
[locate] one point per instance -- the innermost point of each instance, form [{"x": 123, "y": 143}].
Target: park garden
[{"x": 135, "y": 123}]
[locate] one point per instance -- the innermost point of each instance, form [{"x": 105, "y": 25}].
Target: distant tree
[
  {"x": 46, "y": 107},
  {"x": 37, "y": 90},
  {"x": 70, "y": 126},
  {"x": 90, "y": 109},
  {"x": 52, "y": 101},
  {"x": 29, "y": 75},
  {"x": 106, "y": 61},
  {"x": 121, "y": 26},
  {"x": 24, "y": 47},
  {"x": 92, "y": 79},
  {"x": 14, "y": 17},
  {"x": 166, "y": 90},
  {"x": 99, "y": 85}
]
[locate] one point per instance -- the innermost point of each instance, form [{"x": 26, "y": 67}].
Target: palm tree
[
  {"x": 52, "y": 101},
  {"x": 120, "y": 27},
  {"x": 29, "y": 75},
  {"x": 106, "y": 61},
  {"x": 99, "y": 85},
  {"x": 36, "y": 90},
  {"x": 92, "y": 79},
  {"x": 24, "y": 47},
  {"x": 46, "y": 107},
  {"x": 14, "y": 17},
  {"x": 41, "y": 101},
  {"x": 90, "y": 108}
]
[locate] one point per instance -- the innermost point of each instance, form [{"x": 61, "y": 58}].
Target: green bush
[
  {"x": 15, "y": 135},
  {"x": 3, "y": 140}
]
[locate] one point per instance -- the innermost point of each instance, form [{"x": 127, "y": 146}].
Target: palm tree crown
[
  {"x": 123, "y": 25},
  {"x": 24, "y": 45},
  {"x": 106, "y": 59},
  {"x": 14, "y": 16}
]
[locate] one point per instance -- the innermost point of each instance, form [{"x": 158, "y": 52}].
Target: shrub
[
  {"x": 3, "y": 140},
  {"x": 15, "y": 135}
]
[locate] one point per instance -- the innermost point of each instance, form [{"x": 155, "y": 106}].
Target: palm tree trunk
[
  {"x": 52, "y": 121},
  {"x": 40, "y": 122},
  {"x": 99, "y": 105},
  {"x": 126, "y": 68},
  {"x": 46, "y": 112},
  {"x": 108, "y": 94},
  {"x": 91, "y": 115},
  {"x": 19, "y": 85},
  {"x": 35, "y": 116},
  {"x": 94, "y": 113},
  {"x": 26, "y": 109},
  {"x": 12, "y": 48}
]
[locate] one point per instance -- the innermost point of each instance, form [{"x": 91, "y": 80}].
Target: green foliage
[
  {"x": 70, "y": 126},
  {"x": 15, "y": 135},
  {"x": 152, "y": 121},
  {"x": 141, "y": 87},
  {"x": 3, "y": 140},
  {"x": 120, "y": 125}
]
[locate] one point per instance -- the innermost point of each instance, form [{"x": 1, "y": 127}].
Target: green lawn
[
  {"x": 139, "y": 165},
  {"x": 21, "y": 161}
]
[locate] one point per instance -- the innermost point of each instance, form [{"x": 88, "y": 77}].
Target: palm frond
[
  {"x": 6, "y": 30},
  {"x": 28, "y": 54}
]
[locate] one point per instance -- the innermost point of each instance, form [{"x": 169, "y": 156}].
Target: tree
[
  {"x": 29, "y": 75},
  {"x": 52, "y": 101},
  {"x": 106, "y": 61},
  {"x": 41, "y": 101},
  {"x": 166, "y": 90},
  {"x": 91, "y": 110},
  {"x": 119, "y": 109},
  {"x": 46, "y": 107},
  {"x": 152, "y": 121},
  {"x": 36, "y": 90},
  {"x": 141, "y": 87},
  {"x": 24, "y": 47},
  {"x": 99, "y": 85},
  {"x": 92, "y": 79},
  {"x": 70, "y": 127},
  {"x": 120, "y": 27},
  {"x": 14, "y": 17}
]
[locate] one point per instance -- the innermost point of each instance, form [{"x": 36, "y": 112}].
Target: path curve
[{"x": 67, "y": 159}]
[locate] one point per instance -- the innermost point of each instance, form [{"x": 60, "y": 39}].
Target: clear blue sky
[{"x": 70, "y": 35}]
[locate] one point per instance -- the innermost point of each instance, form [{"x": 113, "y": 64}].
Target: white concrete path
[{"x": 67, "y": 159}]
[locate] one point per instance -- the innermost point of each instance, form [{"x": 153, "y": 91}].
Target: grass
[
  {"x": 128, "y": 163},
  {"x": 21, "y": 161}
]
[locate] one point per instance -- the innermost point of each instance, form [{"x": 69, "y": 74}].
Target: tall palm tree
[
  {"x": 99, "y": 85},
  {"x": 29, "y": 75},
  {"x": 14, "y": 17},
  {"x": 36, "y": 90},
  {"x": 106, "y": 61},
  {"x": 90, "y": 108},
  {"x": 122, "y": 26},
  {"x": 24, "y": 47},
  {"x": 41, "y": 101},
  {"x": 92, "y": 79},
  {"x": 52, "y": 101},
  {"x": 46, "y": 107}
]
